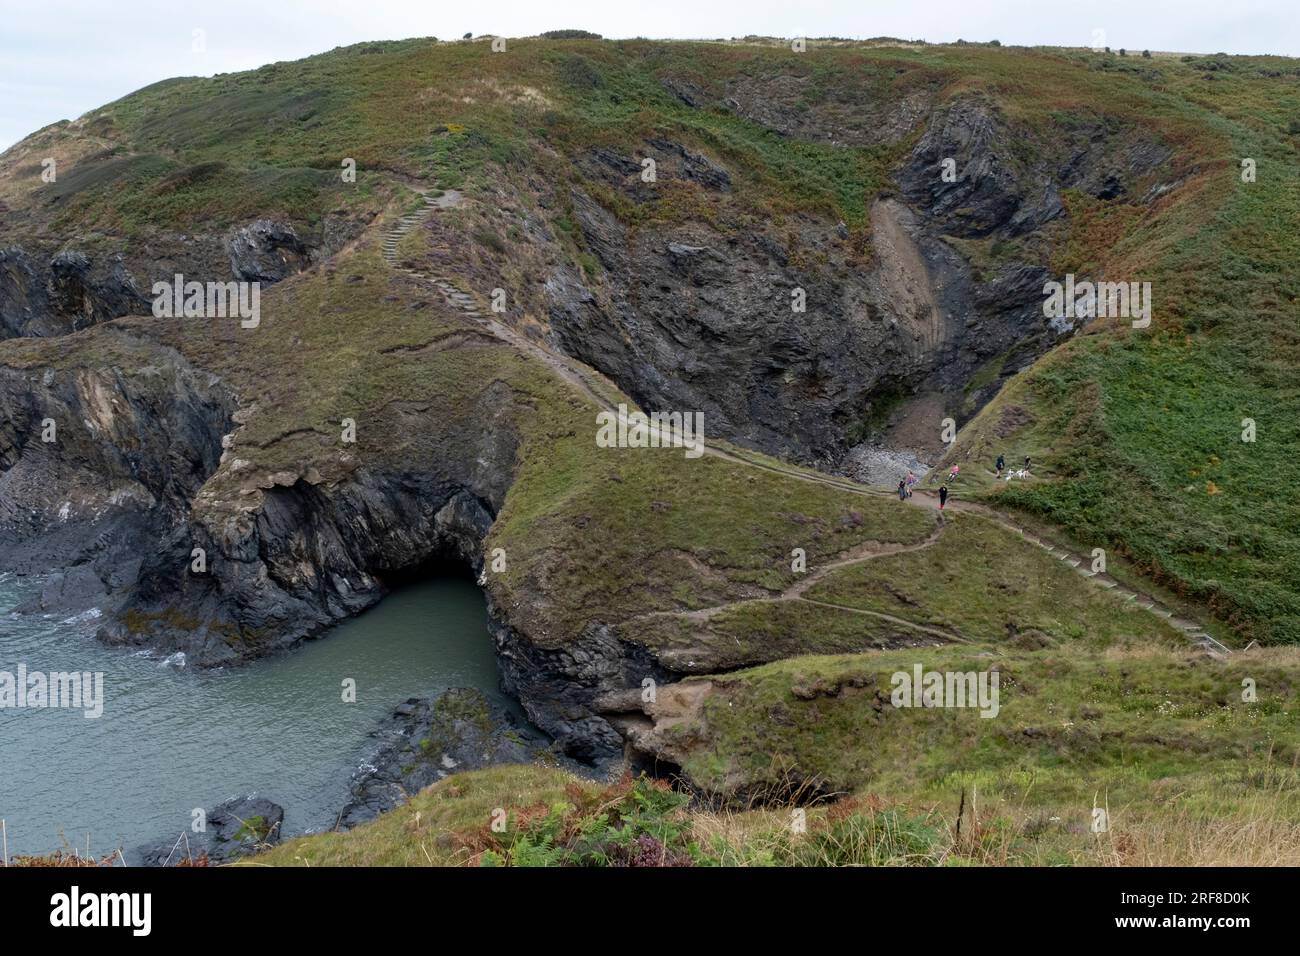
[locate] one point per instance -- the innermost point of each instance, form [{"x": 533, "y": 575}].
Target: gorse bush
[{"x": 570, "y": 35}]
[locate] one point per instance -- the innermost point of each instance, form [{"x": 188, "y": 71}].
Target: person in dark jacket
[
  {"x": 902, "y": 490},
  {"x": 1002, "y": 463},
  {"x": 943, "y": 496}
]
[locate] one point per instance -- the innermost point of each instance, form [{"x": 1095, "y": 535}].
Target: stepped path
[
  {"x": 579, "y": 376},
  {"x": 605, "y": 395},
  {"x": 1193, "y": 630}
]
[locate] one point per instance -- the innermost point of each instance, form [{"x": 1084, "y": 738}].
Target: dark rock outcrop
[
  {"x": 693, "y": 166},
  {"x": 233, "y": 829},
  {"x": 559, "y": 686},
  {"x": 425, "y": 739},
  {"x": 991, "y": 190},
  {"x": 66, "y": 293},
  {"x": 96, "y": 465},
  {"x": 686, "y": 91},
  {"x": 672, "y": 160},
  {"x": 266, "y": 251}
]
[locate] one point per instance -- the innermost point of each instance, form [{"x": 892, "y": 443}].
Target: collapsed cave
[{"x": 929, "y": 310}]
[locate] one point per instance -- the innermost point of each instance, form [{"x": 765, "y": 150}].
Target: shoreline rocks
[
  {"x": 232, "y": 829},
  {"x": 421, "y": 741},
  {"x": 426, "y": 739}
]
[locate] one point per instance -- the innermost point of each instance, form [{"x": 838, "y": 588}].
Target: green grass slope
[
  {"x": 1184, "y": 771},
  {"x": 1137, "y": 435}
]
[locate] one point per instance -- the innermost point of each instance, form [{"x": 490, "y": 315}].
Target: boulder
[
  {"x": 266, "y": 251},
  {"x": 232, "y": 829}
]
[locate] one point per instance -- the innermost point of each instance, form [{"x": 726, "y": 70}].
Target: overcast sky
[{"x": 61, "y": 58}]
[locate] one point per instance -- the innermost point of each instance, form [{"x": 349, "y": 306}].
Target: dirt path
[
  {"x": 464, "y": 303},
  {"x": 1193, "y": 630},
  {"x": 593, "y": 386},
  {"x": 867, "y": 551}
]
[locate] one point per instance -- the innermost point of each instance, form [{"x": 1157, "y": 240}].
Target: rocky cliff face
[
  {"x": 59, "y": 294},
  {"x": 266, "y": 251},
  {"x": 46, "y": 293},
  {"x": 304, "y": 557},
  {"x": 695, "y": 320},
  {"x": 560, "y": 687},
  {"x": 996, "y": 190},
  {"x": 96, "y": 464},
  {"x": 708, "y": 316},
  {"x": 99, "y": 463}
]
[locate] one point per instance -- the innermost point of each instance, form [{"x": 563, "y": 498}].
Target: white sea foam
[{"x": 85, "y": 616}]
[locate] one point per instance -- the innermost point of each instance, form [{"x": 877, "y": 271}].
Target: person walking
[
  {"x": 943, "y": 496},
  {"x": 902, "y": 490},
  {"x": 1002, "y": 463}
]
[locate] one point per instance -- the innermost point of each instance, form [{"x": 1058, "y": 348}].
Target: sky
[{"x": 62, "y": 58}]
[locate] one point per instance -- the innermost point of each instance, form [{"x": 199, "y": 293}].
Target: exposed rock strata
[{"x": 702, "y": 317}]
